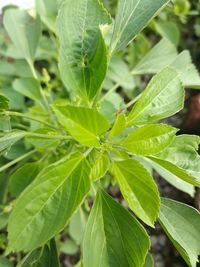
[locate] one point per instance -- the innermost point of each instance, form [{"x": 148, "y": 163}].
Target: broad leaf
[
  {"x": 138, "y": 189},
  {"x": 181, "y": 158},
  {"x": 113, "y": 237},
  {"x": 22, "y": 177},
  {"x": 119, "y": 73},
  {"x": 24, "y": 30},
  {"x": 187, "y": 70},
  {"x": 45, "y": 207},
  {"x": 163, "y": 97},
  {"x": 119, "y": 126},
  {"x": 159, "y": 57},
  {"x": 4, "y": 102},
  {"x": 100, "y": 166},
  {"x": 42, "y": 257},
  {"x": 177, "y": 171},
  {"x": 47, "y": 9},
  {"x": 132, "y": 16},
  {"x": 10, "y": 138},
  {"x": 182, "y": 225},
  {"x": 83, "y": 53},
  {"x": 84, "y": 124},
  {"x": 28, "y": 87},
  {"x": 169, "y": 30},
  {"x": 149, "y": 139},
  {"x": 173, "y": 179}
]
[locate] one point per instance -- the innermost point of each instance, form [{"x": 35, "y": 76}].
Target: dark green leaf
[
  {"x": 22, "y": 177},
  {"x": 83, "y": 54}
]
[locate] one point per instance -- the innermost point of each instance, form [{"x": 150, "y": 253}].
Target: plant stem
[
  {"x": 18, "y": 114},
  {"x": 45, "y": 100},
  {"x": 46, "y": 136},
  {"x": 8, "y": 165},
  {"x": 129, "y": 104}
]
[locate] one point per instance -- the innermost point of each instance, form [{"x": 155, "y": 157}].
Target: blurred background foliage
[{"x": 177, "y": 28}]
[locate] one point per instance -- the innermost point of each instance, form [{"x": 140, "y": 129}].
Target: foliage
[{"x": 66, "y": 135}]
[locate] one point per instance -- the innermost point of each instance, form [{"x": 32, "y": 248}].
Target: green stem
[
  {"x": 11, "y": 163},
  {"x": 46, "y": 136},
  {"x": 129, "y": 104},
  {"x": 46, "y": 103},
  {"x": 17, "y": 114}
]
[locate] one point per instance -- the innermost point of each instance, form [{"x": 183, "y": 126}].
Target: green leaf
[
  {"x": 132, "y": 17},
  {"x": 22, "y": 177},
  {"x": 163, "y": 97},
  {"x": 45, "y": 207},
  {"x": 42, "y": 257},
  {"x": 100, "y": 166},
  {"x": 83, "y": 53},
  {"x": 138, "y": 189},
  {"x": 169, "y": 30},
  {"x": 4, "y": 103},
  {"x": 182, "y": 225},
  {"x": 173, "y": 179},
  {"x": 187, "y": 70},
  {"x": 43, "y": 144},
  {"x": 83, "y": 124},
  {"x": 119, "y": 73},
  {"x": 182, "y": 159},
  {"x": 149, "y": 139},
  {"x": 149, "y": 261},
  {"x": 4, "y": 262},
  {"x": 24, "y": 31},
  {"x": 77, "y": 226},
  {"x": 177, "y": 171},
  {"x": 28, "y": 87},
  {"x": 159, "y": 57},
  {"x": 113, "y": 237},
  {"x": 47, "y": 9},
  {"x": 10, "y": 138},
  {"x": 119, "y": 126}
]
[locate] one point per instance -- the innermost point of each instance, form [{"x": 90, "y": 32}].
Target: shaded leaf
[
  {"x": 182, "y": 225},
  {"x": 83, "y": 55},
  {"x": 160, "y": 56},
  {"x": 4, "y": 102},
  {"x": 22, "y": 177},
  {"x": 28, "y": 87},
  {"x": 10, "y": 138},
  {"x": 42, "y": 257},
  {"x": 24, "y": 31}
]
